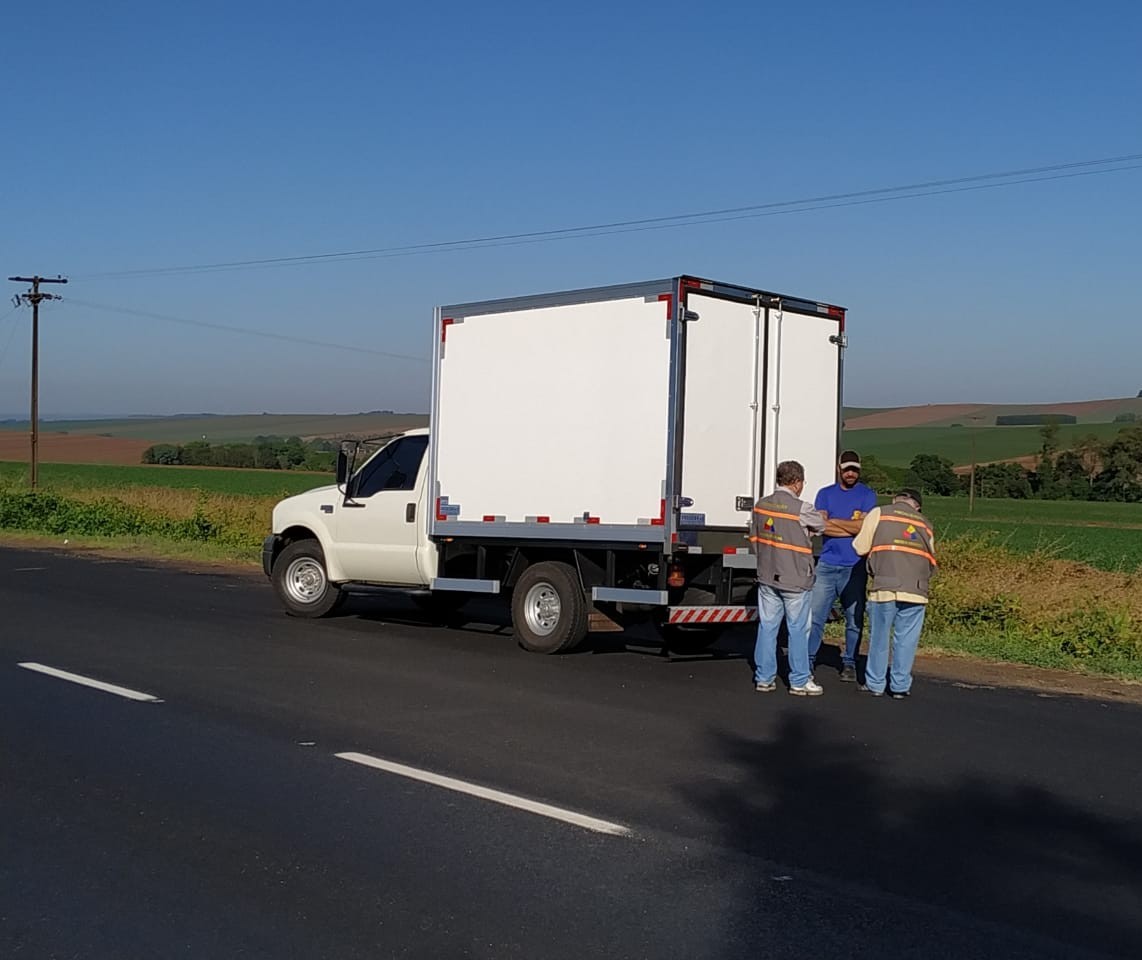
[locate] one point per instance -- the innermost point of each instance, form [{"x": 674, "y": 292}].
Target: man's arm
[
  {"x": 862, "y": 542},
  {"x": 842, "y": 528},
  {"x": 811, "y": 518}
]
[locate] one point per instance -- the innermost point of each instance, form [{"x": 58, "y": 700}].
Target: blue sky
[{"x": 144, "y": 135}]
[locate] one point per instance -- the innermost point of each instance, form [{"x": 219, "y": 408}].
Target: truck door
[
  {"x": 376, "y": 530},
  {"x": 803, "y": 396},
  {"x": 723, "y": 390}
]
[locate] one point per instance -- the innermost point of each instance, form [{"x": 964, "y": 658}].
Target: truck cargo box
[{"x": 650, "y": 412}]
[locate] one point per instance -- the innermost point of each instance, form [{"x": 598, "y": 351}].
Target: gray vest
[
  {"x": 784, "y": 553},
  {"x": 901, "y": 557}
]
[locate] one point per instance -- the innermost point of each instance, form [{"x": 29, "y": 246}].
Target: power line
[
  {"x": 286, "y": 338},
  {"x": 878, "y": 195},
  {"x": 11, "y": 333}
]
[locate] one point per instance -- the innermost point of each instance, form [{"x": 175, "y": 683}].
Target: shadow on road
[
  {"x": 492, "y": 616},
  {"x": 814, "y": 800}
]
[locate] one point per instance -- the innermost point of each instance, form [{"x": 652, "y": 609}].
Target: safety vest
[
  {"x": 784, "y": 554},
  {"x": 901, "y": 557}
]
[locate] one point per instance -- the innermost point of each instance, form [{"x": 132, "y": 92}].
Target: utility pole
[{"x": 34, "y": 297}]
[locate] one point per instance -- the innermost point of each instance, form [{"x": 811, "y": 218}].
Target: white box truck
[{"x": 589, "y": 451}]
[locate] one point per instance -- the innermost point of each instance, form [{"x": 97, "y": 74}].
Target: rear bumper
[
  {"x": 270, "y": 548},
  {"x": 711, "y": 615}
]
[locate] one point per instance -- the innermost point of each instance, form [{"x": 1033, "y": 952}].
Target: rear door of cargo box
[{"x": 552, "y": 413}]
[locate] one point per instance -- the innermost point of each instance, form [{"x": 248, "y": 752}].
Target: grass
[
  {"x": 896, "y": 446},
  {"x": 1107, "y": 536},
  {"x": 65, "y": 477}
]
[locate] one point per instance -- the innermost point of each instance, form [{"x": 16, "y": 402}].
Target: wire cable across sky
[
  {"x": 209, "y": 325},
  {"x": 984, "y": 181}
]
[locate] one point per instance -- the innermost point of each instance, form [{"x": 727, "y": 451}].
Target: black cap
[
  {"x": 913, "y": 495},
  {"x": 850, "y": 458}
]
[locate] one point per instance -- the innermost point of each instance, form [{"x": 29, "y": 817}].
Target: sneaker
[
  {"x": 809, "y": 689},
  {"x": 899, "y": 694},
  {"x": 849, "y": 673},
  {"x": 864, "y": 688},
  {"x": 765, "y": 687}
]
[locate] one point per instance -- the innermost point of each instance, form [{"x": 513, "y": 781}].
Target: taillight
[{"x": 677, "y": 576}]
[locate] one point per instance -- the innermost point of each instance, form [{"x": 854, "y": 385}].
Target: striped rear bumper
[{"x": 735, "y": 614}]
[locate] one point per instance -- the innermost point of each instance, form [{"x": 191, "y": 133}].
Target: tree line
[
  {"x": 265, "y": 453},
  {"x": 1093, "y": 469}
]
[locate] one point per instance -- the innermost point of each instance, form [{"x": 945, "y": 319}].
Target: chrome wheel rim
[
  {"x": 305, "y": 580},
  {"x": 542, "y": 609}
]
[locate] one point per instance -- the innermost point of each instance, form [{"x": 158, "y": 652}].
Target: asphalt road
[{"x": 220, "y": 822}]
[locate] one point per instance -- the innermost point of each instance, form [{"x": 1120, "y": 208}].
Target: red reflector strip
[
  {"x": 444, "y": 325},
  {"x": 668, "y": 299},
  {"x": 661, "y": 519},
  {"x": 489, "y": 519},
  {"x": 543, "y": 519},
  {"x": 592, "y": 520},
  {"x": 712, "y": 614},
  {"x": 439, "y": 514}
]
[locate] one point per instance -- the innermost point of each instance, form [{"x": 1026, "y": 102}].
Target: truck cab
[{"x": 368, "y": 528}]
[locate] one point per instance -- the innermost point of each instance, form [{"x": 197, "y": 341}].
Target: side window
[{"x": 394, "y": 468}]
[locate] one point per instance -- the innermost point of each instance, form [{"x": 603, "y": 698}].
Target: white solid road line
[
  {"x": 485, "y": 793},
  {"x": 88, "y": 682}
]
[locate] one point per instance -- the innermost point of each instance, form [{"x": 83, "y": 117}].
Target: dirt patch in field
[
  {"x": 72, "y": 448},
  {"x": 913, "y": 416},
  {"x": 1029, "y": 462}
]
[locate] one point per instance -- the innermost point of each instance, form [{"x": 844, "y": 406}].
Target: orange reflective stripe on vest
[
  {"x": 774, "y": 513},
  {"x": 922, "y": 526},
  {"x": 780, "y": 546},
  {"x": 900, "y": 549}
]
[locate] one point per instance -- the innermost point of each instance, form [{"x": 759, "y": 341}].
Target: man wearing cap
[
  {"x": 779, "y": 532},
  {"x": 901, "y": 551},
  {"x": 840, "y": 571}
]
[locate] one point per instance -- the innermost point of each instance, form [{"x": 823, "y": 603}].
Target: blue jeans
[
  {"x": 850, "y": 584},
  {"x": 772, "y": 607},
  {"x": 897, "y": 624}
]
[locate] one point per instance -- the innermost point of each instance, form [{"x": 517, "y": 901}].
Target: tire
[
  {"x": 302, "y": 583},
  {"x": 549, "y": 609}
]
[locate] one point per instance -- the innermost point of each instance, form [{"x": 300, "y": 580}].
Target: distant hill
[
  {"x": 984, "y": 414},
  {"x": 225, "y": 428}
]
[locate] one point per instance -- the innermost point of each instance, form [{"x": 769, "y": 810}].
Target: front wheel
[
  {"x": 301, "y": 582},
  {"x": 549, "y": 609}
]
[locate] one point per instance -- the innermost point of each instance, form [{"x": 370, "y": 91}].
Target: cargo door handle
[{"x": 410, "y": 513}]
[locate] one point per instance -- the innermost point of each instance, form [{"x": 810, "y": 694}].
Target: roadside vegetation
[{"x": 1019, "y": 581}]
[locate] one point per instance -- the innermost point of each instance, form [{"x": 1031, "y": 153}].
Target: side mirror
[{"x": 342, "y": 468}]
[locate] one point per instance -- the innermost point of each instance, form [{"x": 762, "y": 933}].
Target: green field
[
  {"x": 1104, "y": 535},
  {"x": 896, "y": 446},
  {"x": 232, "y": 429},
  {"x": 65, "y": 477}
]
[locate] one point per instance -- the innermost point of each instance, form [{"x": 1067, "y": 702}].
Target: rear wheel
[
  {"x": 549, "y": 609},
  {"x": 301, "y": 581}
]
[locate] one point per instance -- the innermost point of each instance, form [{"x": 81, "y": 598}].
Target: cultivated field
[
  {"x": 66, "y": 448},
  {"x": 897, "y": 446},
  {"x": 1103, "y": 535},
  {"x": 107, "y": 478}
]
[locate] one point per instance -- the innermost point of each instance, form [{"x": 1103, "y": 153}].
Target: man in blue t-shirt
[{"x": 840, "y": 572}]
